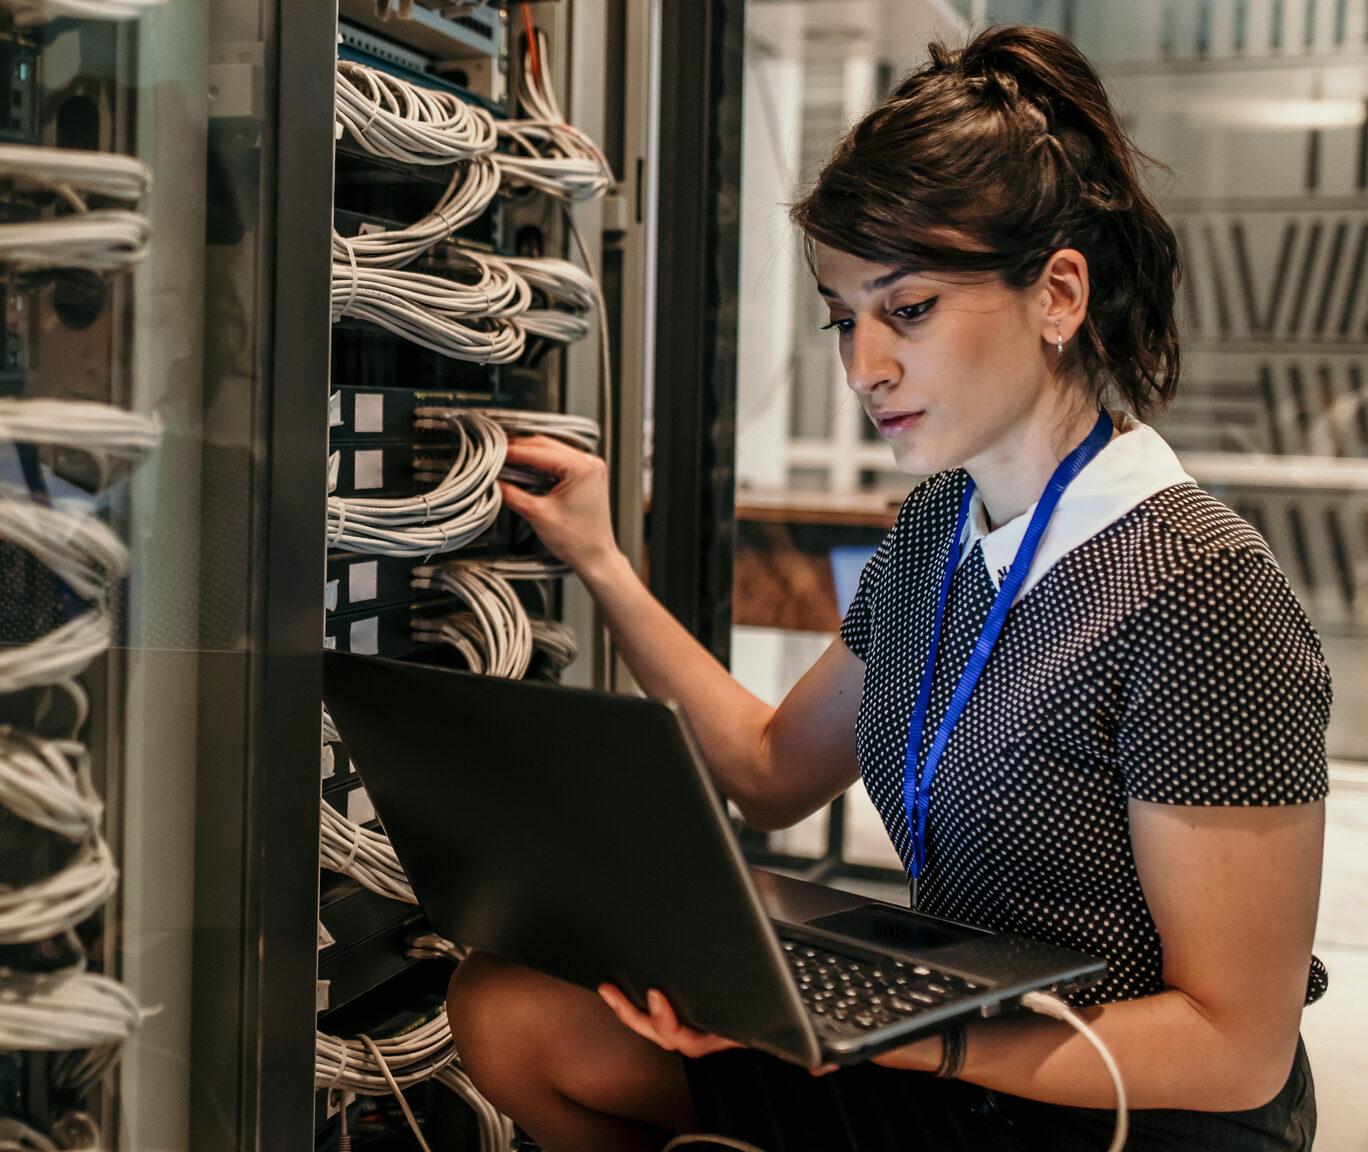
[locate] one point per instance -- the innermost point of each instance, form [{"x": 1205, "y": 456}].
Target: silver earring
[{"x": 1059, "y": 339}]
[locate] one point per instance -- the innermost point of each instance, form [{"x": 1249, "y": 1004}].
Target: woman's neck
[{"x": 1014, "y": 477}]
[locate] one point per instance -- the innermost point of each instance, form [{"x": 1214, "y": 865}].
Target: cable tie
[
  {"x": 355, "y": 276},
  {"x": 335, "y": 534},
  {"x": 357, "y": 831},
  {"x": 341, "y": 1065}
]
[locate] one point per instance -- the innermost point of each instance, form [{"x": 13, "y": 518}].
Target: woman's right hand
[{"x": 572, "y": 520}]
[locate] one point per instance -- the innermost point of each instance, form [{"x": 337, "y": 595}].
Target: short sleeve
[
  {"x": 857, "y": 629},
  {"x": 1228, "y": 695}
]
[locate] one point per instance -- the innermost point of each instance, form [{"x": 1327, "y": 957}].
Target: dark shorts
[{"x": 867, "y": 1108}]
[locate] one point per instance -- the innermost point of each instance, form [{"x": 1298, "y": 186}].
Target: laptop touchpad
[{"x": 893, "y": 928}]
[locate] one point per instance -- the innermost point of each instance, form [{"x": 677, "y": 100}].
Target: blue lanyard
[{"x": 917, "y": 789}]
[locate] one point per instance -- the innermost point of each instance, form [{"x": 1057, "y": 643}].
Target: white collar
[{"x": 1131, "y": 468}]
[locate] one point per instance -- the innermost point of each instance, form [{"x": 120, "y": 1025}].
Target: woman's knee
[{"x": 497, "y": 1011}]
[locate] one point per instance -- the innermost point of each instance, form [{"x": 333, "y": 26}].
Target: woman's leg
[{"x": 554, "y": 1057}]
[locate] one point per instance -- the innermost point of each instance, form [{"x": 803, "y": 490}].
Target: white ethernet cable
[
  {"x": 557, "y": 640},
  {"x": 366, "y": 856},
  {"x": 37, "y": 11},
  {"x": 104, "y": 241},
  {"x": 411, "y": 1058},
  {"x": 61, "y": 1011},
  {"x": 462, "y": 506},
  {"x": 431, "y": 946},
  {"x": 1048, "y": 1005},
  {"x": 472, "y": 188},
  {"x": 47, "y": 783},
  {"x": 75, "y": 170},
  {"x": 562, "y": 283},
  {"x": 100, "y": 429},
  {"x": 87, "y": 556},
  {"x": 390, "y": 117},
  {"x": 456, "y": 320},
  {"x": 559, "y": 159},
  {"x": 580, "y": 431},
  {"x": 495, "y": 636},
  {"x": 496, "y": 1129}
]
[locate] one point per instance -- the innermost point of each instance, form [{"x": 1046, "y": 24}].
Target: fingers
[
  {"x": 661, "y": 1026},
  {"x": 543, "y": 452}
]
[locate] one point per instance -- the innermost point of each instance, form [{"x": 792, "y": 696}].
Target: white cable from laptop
[{"x": 1053, "y": 1006}]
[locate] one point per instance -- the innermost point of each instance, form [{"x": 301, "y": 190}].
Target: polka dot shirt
[{"x": 1164, "y": 659}]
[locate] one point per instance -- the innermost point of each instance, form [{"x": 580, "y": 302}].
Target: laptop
[{"x": 578, "y": 833}]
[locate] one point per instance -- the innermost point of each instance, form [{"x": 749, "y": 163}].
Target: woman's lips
[{"x": 892, "y": 424}]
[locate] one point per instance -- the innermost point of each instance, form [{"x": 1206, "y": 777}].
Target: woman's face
[{"x": 951, "y": 368}]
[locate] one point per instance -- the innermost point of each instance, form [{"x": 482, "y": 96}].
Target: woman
[{"x": 1139, "y": 768}]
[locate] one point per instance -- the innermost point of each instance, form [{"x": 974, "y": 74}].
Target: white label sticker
[
  {"x": 368, "y": 469},
  {"x": 334, "y": 409},
  {"x": 369, "y": 413},
  {"x": 365, "y": 636},
  {"x": 329, "y": 642},
  {"x": 360, "y": 810},
  {"x": 330, "y": 596},
  {"x": 363, "y": 579}
]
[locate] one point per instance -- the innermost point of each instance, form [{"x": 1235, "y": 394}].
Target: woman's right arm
[{"x": 776, "y": 765}]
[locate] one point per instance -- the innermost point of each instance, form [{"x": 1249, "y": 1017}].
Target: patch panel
[
  {"x": 383, "y": 631},
  {"x": 376, "y": 931},
  {"x": 365, "y": 356},
  {"x": 361, "y": 415}
]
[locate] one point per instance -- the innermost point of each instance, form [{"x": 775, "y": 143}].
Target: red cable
[{"x": 530, "y": 32}]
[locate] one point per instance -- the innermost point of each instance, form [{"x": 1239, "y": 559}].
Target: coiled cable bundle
[
  {"x": 100, "y": 429},
  {"x": 495, "y": 636},
  {"x": 472, "y": 188},
  {"x": 47, "y": 783},
  {"x": 454, "y": 513},
  {"x": 84, "y": 554},
  {"x": 466, "y": 321},
  {"x": 366, "y": 856},
  {"x": 103, "y": 241},
  {"x": 411, "y": 1058},
  {"x": 580, "y": 432},
  {"x": 544, "y": 151},
  {"x": 390, "y": 117},
  {"x": 70, "y": 171},
  {"x": 64, "y": 1010}
]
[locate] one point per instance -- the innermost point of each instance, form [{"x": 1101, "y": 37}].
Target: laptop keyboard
[{"x": 864, "y": 994}]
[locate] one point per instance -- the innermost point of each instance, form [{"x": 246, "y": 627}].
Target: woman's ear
[{"x": 1062, "y": 288}]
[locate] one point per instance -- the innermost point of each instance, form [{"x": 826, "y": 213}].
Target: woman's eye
[
  {"x": 915, "y": 311},
  {"x": 842, "y": 326}
]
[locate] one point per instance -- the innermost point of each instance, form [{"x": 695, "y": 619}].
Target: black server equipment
[{"x": 452, "y": 300}]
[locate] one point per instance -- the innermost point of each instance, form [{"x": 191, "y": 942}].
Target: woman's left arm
[{"x": 1233, "y": 892}]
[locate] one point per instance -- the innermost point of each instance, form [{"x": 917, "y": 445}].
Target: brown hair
[{"x": 993, "y": 157}]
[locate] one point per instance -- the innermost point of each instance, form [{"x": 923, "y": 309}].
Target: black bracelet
[{"x": 954, "y": 1049}]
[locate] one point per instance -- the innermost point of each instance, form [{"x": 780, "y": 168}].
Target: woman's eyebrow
[{"x": 872, "y": 285}]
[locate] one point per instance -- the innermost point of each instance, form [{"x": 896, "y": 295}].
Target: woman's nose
[{"x": 870, "y": 362}]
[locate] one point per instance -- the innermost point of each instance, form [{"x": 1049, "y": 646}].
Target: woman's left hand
[{"x": 661, "y": 1026}]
